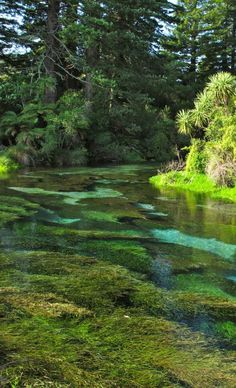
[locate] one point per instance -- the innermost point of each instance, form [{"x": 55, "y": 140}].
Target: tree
[
  {"x": 111, "y": 56},
  {"x": 214, "y": 150},
  {"x": 51, "y": 43}
]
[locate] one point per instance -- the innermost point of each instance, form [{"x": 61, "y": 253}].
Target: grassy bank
[{"x": 198, "y": 183}]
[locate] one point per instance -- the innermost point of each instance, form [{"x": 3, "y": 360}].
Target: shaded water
[{"x": 94, "y": 245}]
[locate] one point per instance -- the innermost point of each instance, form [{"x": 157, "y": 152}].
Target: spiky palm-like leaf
[
  {"x": 202, "y": 109},
  {"x": 184, "y": 122},
  {"x": 221, "y": 87}
]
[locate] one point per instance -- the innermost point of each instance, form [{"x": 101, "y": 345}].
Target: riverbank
[{"x": 198, "y": 183}]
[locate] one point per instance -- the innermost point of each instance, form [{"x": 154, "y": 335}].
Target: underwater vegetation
[
  {"x": 114, "y": 286},
  {"x": 71, "y": 198},
  {"x": 13, "y": 208},
  {"x": 71, "y": 320}
]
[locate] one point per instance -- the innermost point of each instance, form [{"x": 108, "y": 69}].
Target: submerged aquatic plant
[
  {"x": 77, "y": 303},
  {"x": 73, "y": 320},
  {"x": 13, "y": 208},
  {"x": 71, "y": 198}
]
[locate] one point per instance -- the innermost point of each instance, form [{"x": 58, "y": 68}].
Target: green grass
[{"x": 198, "y": 183}]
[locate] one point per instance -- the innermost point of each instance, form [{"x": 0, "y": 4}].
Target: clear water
[{"x": 183, "y": 243}]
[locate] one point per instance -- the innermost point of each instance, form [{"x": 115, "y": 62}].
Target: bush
[
  {"x": 7, "y": 164},
  {"x": 197, "y": 157},
  {"x": 173, "y": 165},
  {"x": 76, "y": 157},
  {"x": 222, "y": 172},
  {"x": 213, "y": 118}
]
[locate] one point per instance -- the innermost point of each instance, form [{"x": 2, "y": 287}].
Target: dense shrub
[
  {"x": 7, "y": 164},
  {"x": 41, "y": 133},
  {"x": 213, "y": 119},
  {"x": 197, "y": 158},
  {"x": 74, "y": 157},
  {"x": 221, "y": 169}
]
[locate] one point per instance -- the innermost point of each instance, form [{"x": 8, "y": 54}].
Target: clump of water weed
[
  {"x": 13, "y": 208},
  {"x": 72, "y": 320}
]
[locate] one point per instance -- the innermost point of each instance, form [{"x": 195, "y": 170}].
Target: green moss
[{"x": 198, "y": 183}]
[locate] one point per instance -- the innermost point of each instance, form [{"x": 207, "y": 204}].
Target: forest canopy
[{"x": 89, "y": 81}]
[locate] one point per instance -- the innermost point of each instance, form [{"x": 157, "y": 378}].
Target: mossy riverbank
[{"x": 198, "y": 183}]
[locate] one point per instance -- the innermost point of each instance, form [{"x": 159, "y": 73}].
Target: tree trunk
[
  {"x": 91, "y": 59},
  {"x": 51, "y": 49},
  {"x": 193, "y": 60},
  {"x": 224, "y": 59},
  {"x": 71, "y": 43},
  {"x": 92, "y": 12}
]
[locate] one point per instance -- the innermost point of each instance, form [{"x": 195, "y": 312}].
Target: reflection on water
[{"x": 64, "y": 232}]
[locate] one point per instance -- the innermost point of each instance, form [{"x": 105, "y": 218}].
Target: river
[{"x": 89, "y": 253}]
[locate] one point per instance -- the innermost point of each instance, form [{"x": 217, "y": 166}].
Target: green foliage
[
  {"x": 199, "y": 183},
  {"x": 227, "y": 330},
  {"x": 214, "y": 115},
  {"x": 72, "y": 115},
  {"x": 197, "y": 159},
  {"x": 111, "y": 70},
  {"x": 108, "y": 85},
  {"x": 221, "y": 167},
  {"x": 7, "y": 164},
  {"x": 71, "y": 157},
  {"x": 184, "y": 119},
  {"x": 220, "y": 88},
  {"x": 41, "y": 133}
]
